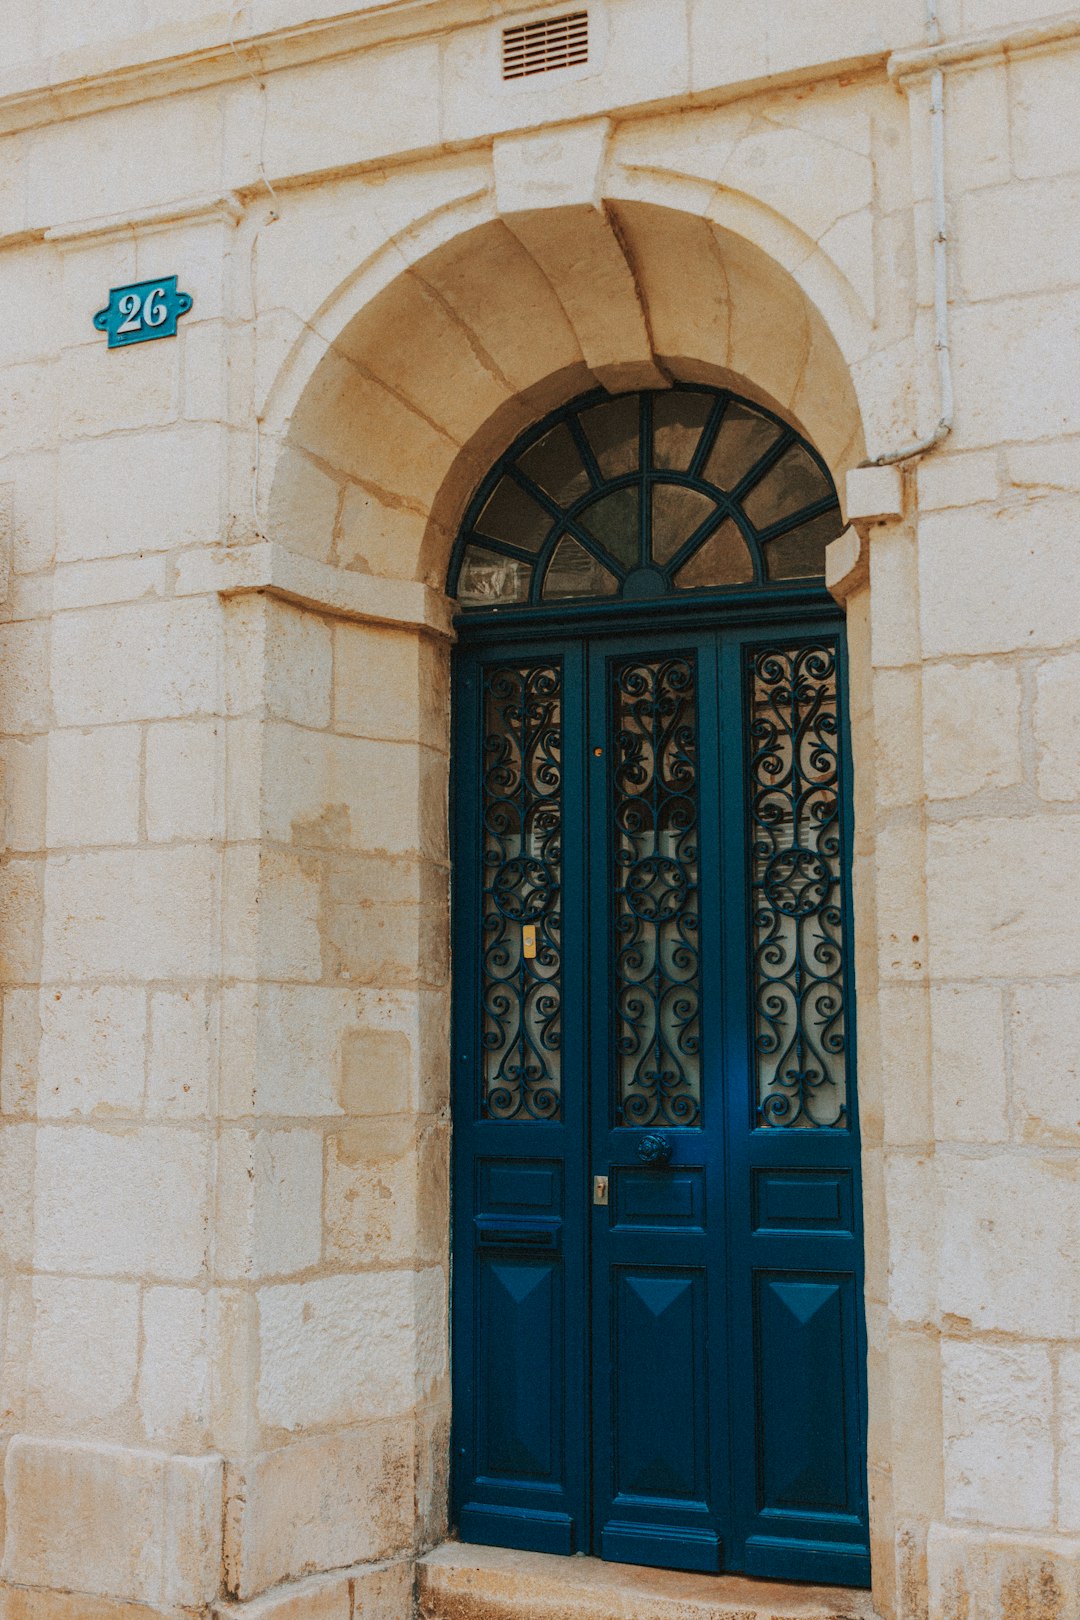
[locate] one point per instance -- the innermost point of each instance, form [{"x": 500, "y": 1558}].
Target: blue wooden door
[{"x": 658, "y": 1330}]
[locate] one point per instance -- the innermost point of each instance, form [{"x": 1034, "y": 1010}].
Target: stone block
[
  {"x": 24, "y": 677},
  {"x": 174, "y": 1369},
  {"x": 93, "y": 786},
  {"x": 84, "y": 1353},
  {"x": 183, "y": 1054},
  {"x": 272, "y": 915},
  {"x": 898, "y": 864},
  {"x": 971, "y": 721},
  {"x": 1010, "y": 383},
  {"x": 977, "y": 127},
  {"x": 1023, "y": 923},
  {"x": 133, "y": 914},
  {"x": 345, "y": 1348},
  {"x": 981, "y": 1572},
  {"x": 28, "y": 408},
  {"x": 1019, "y": 239},
  {"x": 391, "y": 685},
  {"x": 999, "y": 1447},
  {"x": 101, "y": 397},
  {"x": 19, "y": 1052},
  {"x": 299, "y": 665},
  {"x": 386, "y": 1194},
  {"x": 135, "y": 492},
  {"x": 1045, "y": 467},
  {"x": 897, "y": 734},
  {"x": 1068, "y": 1415},
  {"x": 1057, "y": 727},
  {"x": 425, "y": 354},
  {"x": 333, "y": 792},
  {"x": 303, "y": 506},
  {"x": 124, "y": 1523},
  {"x": 968, "y": 1059},
  {"x": 894, "y": 598},
  {"x": 999, "y": 581},
  {"x": 269, "y": 1203},
  {"x": 184, "y": 780},
  {"x": 912, "y": 1206},
  {"x": 1044, "y": 1032},
  {"x": 1042, "y": 99},
  {"x": 279, "y": 1526},
  {"x": 22, "y": 793},
  {"x": 16, "y": 1194},
  {"x": 1010, "y": 1243},
  {"x": 92, "y": 1058},
  {"x": 874, "y": 495},
  {"x": 915, "y": 1450},
  {"x": 21, "y": 886},
  {"x": 108, "y": 580},
  {"x": 965, "y": 480},
  {"x": 380, "y": 537},
  {"x": 143, "y": 661},
  {"x": 132, "y": 1204},
  {"x": 900, "y": 1012},
  {"x": 320, "y": 1598},
  {"x": 376, "y": 1072}
]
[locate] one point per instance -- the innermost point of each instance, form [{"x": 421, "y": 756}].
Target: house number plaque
[{"x": 141, "y": 311}]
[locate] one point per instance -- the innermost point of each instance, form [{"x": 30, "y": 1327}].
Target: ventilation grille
[{"x": 541, "y": 47}]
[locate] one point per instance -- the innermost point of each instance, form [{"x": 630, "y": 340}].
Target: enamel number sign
[{"x": 142, "y": 311}]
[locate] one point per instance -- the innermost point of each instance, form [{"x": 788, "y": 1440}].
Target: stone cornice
[
  {"x": 91, "y": 80},
  {"x": 992, "y": 43}
]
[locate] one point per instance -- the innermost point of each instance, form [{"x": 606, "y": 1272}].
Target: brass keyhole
[{"x": 528, "y": 941}]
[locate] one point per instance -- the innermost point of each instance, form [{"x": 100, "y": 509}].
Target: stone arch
[{"x": 414, "y": 375}]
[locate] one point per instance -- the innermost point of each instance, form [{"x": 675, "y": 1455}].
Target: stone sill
[{"x": 456, "y": 1582}]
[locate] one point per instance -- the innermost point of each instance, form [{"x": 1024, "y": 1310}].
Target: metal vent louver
[{"x": 541, "y": 47}]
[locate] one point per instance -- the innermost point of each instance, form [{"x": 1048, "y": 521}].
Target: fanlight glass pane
[
  {"x": 615, "y": 522},
  {"x": 614, "y": 434},
  {"x": 743, "y": 439},
  {"x": 676, "y": 513},
  {"x": 678, "y": 420},
  {"x": 800, "y": 554},
  {"x": 487, "y": 578},
  {"x": 573, "y": 572},
  {"x": 656, "y": 936},
  {"x": 513, "y": 516},
  {"x": 795, "y": 481},
  {"x": 797, "y": 917},
  {"x": 723, "y": 559},
  {"x": 554, "y": 463},
  {"x": 521, "y": 994}
]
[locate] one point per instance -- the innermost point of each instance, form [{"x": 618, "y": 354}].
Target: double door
[{"x": 658, "y": 1343}]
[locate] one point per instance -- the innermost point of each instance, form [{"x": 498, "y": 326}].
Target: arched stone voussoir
[{"x": 429, "y": 364}]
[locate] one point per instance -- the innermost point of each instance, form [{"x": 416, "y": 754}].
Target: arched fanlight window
[{"x": 646, "y": 495}]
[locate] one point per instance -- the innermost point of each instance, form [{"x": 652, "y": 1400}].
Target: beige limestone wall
[{"x": 223, "y": 661}]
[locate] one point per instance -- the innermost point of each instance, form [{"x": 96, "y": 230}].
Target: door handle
[{"x": 655, "y": 1148}]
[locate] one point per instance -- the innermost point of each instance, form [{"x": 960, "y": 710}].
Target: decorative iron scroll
[
  {"x": 522, "y": 833},
  {"x": 656, "y": 943},
  {"x": 796, "y": 878}
]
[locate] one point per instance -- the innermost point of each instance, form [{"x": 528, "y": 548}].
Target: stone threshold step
[{"x": 494, "y": 1583}]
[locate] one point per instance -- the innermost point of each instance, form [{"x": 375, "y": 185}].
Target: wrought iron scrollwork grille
[
  {"x": 655, "y": 886},
  {"x": 522, "y": 833},
  {"x": 795, "y": 845}
]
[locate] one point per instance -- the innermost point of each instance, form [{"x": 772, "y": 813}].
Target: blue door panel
[
  {"x": 802, "y": 1333},
  {"x": 660, "y": 1390},
  {"x": 519, "y": 1402},
  {"x": 674, "y": 1373}
]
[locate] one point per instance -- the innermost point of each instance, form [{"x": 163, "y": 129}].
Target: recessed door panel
[
  {"x": 660, "y": 1400},
  {"x": 519, "y": 1407},
  {"x": 804, "y": 1352}
]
